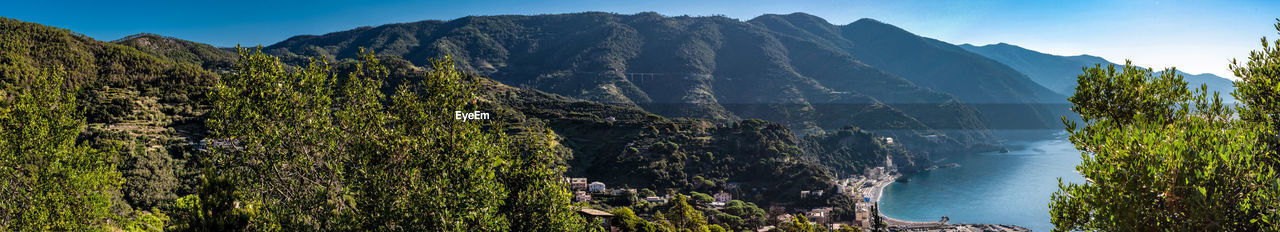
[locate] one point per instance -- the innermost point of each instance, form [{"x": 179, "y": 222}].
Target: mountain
[
  {"x": 1008, "y": 99},
  {"x": 811, "y": 76},
  {"x": 182, "y": 51},
  {"x": 1059, "y": 72},
  {"x": 626, "y": 146},
  {"x": 145, "y": 108},
  {"x": 144, "y": 97}
]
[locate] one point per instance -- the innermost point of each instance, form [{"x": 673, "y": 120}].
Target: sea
[{"x": 988, "y": 188}]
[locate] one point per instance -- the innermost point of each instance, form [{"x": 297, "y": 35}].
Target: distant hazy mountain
[
  {"x": 1008, "y": 99},
  {"x": 1059, "y": 72}
]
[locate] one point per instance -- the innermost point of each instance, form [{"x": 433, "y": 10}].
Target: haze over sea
[{"x": 992, "y": 188}]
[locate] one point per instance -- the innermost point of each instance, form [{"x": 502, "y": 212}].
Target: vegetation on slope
[
  {"x": 1158, "y": 156},
  {"x": 702, "y": 67},
  {"x": 351, "y": 152}
]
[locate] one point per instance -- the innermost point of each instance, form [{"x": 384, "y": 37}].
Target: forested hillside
[
  {"x": 176, "y": 135},
  {"x": 714, "y": 68},
  {"x": 145, "y": 109},
  {"x": 628, "y": 146}
]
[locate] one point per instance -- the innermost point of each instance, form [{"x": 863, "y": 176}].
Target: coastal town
[{"x": 867, "y": 187}]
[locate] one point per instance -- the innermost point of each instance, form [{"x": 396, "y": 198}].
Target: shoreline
[
  {"x": 878, "y": 189},
  {"x": 878, "y": 192},
  {"x": 942, "y": 224}
]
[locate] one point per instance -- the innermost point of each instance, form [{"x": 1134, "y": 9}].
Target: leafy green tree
[
  {"x": 877, "y": 223},
  {"x": 701, "y": 198},
  {"x": 536, "y": 199},
  {"x": 798, "y": 223},
  {"x": 715, "y": 228},
  {"x": 318, "y": 152},
  {"x": 627, "y": 221},
  {"x": 1257, "y": 90},
  {"x": 150, "y": 177},
  {"x": 751, "y": 216},
  {"x": 848, "y": 228},
  {"x": 1160, "y": 157},
  {"x": 685, "y": 217},
  {"x": 283, "y": 150},
  {"x": 50, "y": 181},
  {"x": 216, "y": 207}
]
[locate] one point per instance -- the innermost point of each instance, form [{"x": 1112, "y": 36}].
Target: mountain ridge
[
  {"x": 786, "y": 68},
  {"x": 1058, "y": 72}
]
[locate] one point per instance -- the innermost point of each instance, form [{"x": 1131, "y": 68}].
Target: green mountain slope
[
  {"x": 628, "y": 146},
  {"x": 704, "y": 67},
  {"x": 149, "y": 104},
  {"x": 177, "y": 50},
  {"x": 145, "y": 108},
  {"x": 1007, "y": 98},
  {"x": 1059, "y": 72}
]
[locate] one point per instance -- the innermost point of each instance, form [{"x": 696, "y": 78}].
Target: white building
[
  {"x": 723, "y": 197},
  {"x": 596, "y": 187}
]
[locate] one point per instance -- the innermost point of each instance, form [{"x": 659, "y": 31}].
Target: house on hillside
[
  {"x": 619, "y": 191},
  {"x": 581, "y": 196},
  {"x": 596, "y": 187},
  {"x": 723, "y": 197},
  {"x": 576, "y": 183},
  {"x": 592, "y": 214},
  {"x": 818, "y": 215},
  {"x": 658, "y": 200}
]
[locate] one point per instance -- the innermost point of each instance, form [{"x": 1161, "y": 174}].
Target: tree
[
  {"x": 50, "y": 181},
  {"x": 751, "y": 216},
  {"x": 1257, "y": 89},
  {"x": 702, "y": 198},
  {"x": 285, "y": 154},
  {"x": 627, "y": 221},
  {"x": 1158, "y": 156},
  {"x": 149, "y": 177},
  {"x": 715, "y": 228},
  {"x": 798, "y": 223},
  {"x": 848, "y": 228},
  {"x": 685, "y": 217},
  {"x": 877, "y": 223},
  {"x": 315, "y": 151}
]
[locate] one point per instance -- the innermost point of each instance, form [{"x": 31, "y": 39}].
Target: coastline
[
  {"x": 941, "y": 225},
  {"x": 877, "y": 191}
]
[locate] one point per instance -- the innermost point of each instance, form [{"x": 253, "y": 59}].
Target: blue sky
[{"x": 1195, "y": 36}]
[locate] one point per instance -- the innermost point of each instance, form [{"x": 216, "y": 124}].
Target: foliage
[
  {"x": 1257, "y": 90},
  {"x": 1157, "y": 156},
  {"x": 684, "y": 217},
  {"x": 51, "y": 181},
  {"x": 798, "y": 223},
  {"x": 670, "y": 154},
  {"x": 749, "y": 215},
  {"x": 319, "y": 152},
  {"x": 713, "y": 68},
  {"x": 877, "y": 223},
  {"x": 627, "y": 221}
]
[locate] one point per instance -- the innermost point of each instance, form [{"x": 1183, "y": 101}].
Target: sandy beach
[{"x": 877, "y": 191}]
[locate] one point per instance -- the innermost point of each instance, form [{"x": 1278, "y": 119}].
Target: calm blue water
[{"x": 993, "y": 188}]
